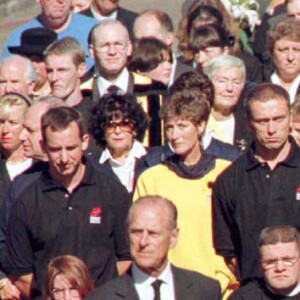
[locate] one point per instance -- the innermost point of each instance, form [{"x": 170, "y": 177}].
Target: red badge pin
[
  {"x": 298, "y": 193},
  {"x": 95, "y": 215}
]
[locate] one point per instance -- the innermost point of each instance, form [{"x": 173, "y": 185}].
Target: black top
[
  {"x": 48, "y": 221},
  {"x": 248, "y": 197},
  {"x": 257, "y": 290}
]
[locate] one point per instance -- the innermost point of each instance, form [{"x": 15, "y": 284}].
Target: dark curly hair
[{"x": 112, "y": 106}]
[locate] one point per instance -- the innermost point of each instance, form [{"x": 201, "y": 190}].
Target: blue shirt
[{"x": 79, "y": 28}]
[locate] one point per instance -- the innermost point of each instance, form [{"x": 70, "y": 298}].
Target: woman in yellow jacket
[{"x": 186, "y": 178}]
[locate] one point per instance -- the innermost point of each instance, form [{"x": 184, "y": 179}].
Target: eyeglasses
[
  {"x": 286, "y": 261},
  {"x": 105, "y": 47},
  {"x": 58, "y": 294},
  {"x": 125, "y": 126}
]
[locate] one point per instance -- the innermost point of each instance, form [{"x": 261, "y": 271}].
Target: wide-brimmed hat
[{"x": 34, "y": 41}]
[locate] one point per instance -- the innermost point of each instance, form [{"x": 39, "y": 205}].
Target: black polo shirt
[
  {"x": 48, "y": 221},
  {"x": 247, "y": 197}
]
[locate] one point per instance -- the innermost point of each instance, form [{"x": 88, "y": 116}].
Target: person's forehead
[
  {"x": 276, "y": 102},
  {"x": 228, "y": 72},
  {"x": 148, "y": 26},
  {"x": 110, "y": 32},
  {"x": 63, "y": 59},
  {"x": 13, "y": 67},
  {"x": 148, "y": 215},
  {"x": 279, "y": 250}
]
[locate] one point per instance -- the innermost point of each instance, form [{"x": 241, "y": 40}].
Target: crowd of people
[{"x": 133, "y": 170}]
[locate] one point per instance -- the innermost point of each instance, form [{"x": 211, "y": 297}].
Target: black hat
[{"x": 34, "y": 41}]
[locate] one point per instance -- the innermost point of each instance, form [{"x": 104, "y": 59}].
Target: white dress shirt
[
  {"x": 125, "y": 171},
  {"x": 143, "y": 284},
  {"x": 121, "y": 82}
]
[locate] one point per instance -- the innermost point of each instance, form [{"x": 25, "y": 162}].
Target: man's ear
[
  {"x": 81, "y": 70},
  {"x": 129, "y": 48},
  {"x": 85, "y": 142},
  {"x": 226, "y": 50},
  {"x": 31, "y": 87},
  {"x": 170, "y": 39},
  {"x": 174, "y": 238},
  {"x": 91, "y": 50}
]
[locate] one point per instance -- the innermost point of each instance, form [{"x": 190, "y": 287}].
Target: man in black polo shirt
[
  {"x": 71, "y": 208},
  {"x": 262, "y": 187}
]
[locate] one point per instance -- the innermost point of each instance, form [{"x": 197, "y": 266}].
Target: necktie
[{"x": 156, "y": 287}]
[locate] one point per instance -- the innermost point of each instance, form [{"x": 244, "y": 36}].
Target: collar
[
  {"x": 200, "y": 169},
  {"x": 137, "y": 151},
  {"x": 290, "y": 161},
  {"x": 49, "y": 184},
  {"x": 293, "y": 88},
  {"x": 121, "y": 82},
  {"x": 143, "y": 279},
  {"x": 99, "y": 17},
  {"x": 293, "y": 292},
  {"x": 173, "y": 70}
]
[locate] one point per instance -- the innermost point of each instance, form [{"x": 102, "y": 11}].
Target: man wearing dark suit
[
  {"x": 152, "y": 231},
  {"x": 108, "y": 9},
  {"x": 158, "y": 24}
]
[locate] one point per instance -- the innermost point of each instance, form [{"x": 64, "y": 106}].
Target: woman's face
[
  {"x": 119, "y": 135},
  {"x": 10, "y": 128},
  {"x": 162, "y": 72},
  {"x": 203, "y": 56},
  {"x": 63, "y": 290},
  {"x": 286, "y": 56},
  {"x": 184, "y": 137},
  {"x": 228, "y": 84}
]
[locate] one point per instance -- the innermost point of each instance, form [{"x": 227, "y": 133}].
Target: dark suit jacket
[
  {"x": 181, "y": 68},
  {"x": 188, "y": 286},
  {"x": 125, "y": 16}
]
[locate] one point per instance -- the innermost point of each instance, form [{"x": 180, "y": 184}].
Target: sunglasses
[{"x": 125, "y": 126}]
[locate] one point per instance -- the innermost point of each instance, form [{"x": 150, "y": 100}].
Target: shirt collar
[
  {"x": 290, "y": 161},
  {"x": 48, "y": 183},
  {"x": 121, "y": 82},
  {"x": 293, "y": 88},
  {"x": 137, "y": 151},
  {"x": 99, "y": 17},
  {"x": 143, "y": 279}
]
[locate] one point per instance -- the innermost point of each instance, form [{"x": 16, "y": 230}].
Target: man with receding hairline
[{"x": 152, "y": 231}]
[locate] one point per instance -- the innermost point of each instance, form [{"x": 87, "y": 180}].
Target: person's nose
[
  {"x": 144, "y": 239},
  {"x": 112, "y": 49},
  {"x": 291, "y": 55},
  {"x": 279, "y": 266},
  {"x": 229, "y": 86},
  {"x": 6, "y": 127},
  {"x": 64, "y": 155},
  {"x": 271, "y": 127},
  {"x": 23, "y": 135},
  {"x": 202, "y": 57}
]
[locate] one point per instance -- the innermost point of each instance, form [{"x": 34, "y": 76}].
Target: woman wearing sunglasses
[{"x": 118, "y": 125}]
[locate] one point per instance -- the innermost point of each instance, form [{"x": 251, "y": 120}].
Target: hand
[
  {"x": 10, "y": 292},
  {"x": 231, "y": 263}
]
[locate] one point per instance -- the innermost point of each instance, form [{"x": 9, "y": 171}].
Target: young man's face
[
  {"x": 270, "y": 123},
  {"x": 63, "y": 75},
  {"x": 64, "y": 150}
]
